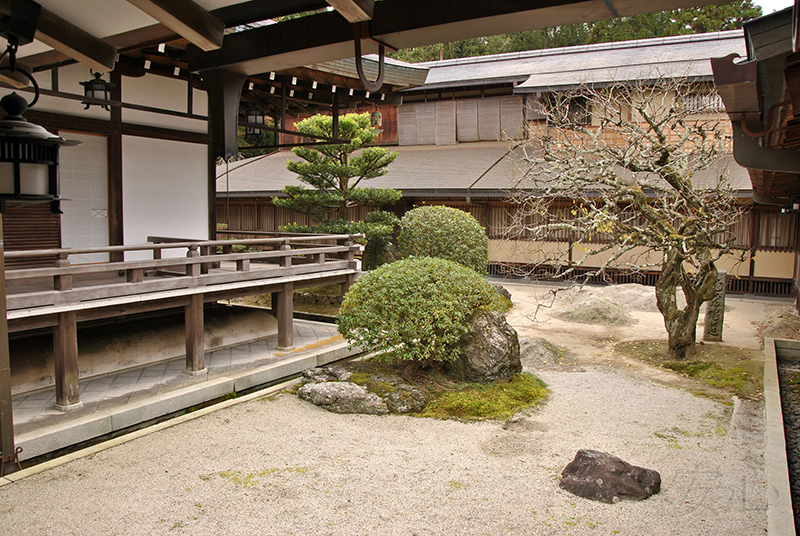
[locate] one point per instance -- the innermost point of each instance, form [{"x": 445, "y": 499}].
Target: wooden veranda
[{"x": 176, "y": 273}]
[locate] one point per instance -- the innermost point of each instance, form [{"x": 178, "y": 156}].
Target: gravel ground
[{"x": 282, "y": 466}]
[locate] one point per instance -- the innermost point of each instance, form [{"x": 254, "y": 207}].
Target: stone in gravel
[
  {"x": 489, "y": 350},
  {"x": 343, "y": 397},
  {"x": 602, "y": 477},
  {"x": 330, "y": 373}
]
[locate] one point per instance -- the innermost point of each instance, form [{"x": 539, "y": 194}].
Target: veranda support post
[{"x": 7, "y": 447}]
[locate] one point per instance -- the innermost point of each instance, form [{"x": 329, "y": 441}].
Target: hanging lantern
[
  {"x": 98, "y": 89},
  {"x": 28, "y": 158},
  {"x": 253, "y": 116},
  {"x": 376, "y": 119}
]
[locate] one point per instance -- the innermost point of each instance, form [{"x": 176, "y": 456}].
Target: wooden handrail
[{"x": 290, "y": 240}]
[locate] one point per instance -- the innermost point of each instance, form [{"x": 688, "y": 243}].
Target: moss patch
[
  {"x": 732, "y": 370},
  {"x": 487, "y": 401}
]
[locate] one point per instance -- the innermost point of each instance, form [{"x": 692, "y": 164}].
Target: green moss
[
  {"x": 738, "y": 371},
  {"x": 487, "y": 401}
]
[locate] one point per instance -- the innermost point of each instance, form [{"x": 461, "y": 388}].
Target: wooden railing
[{"x": 202, "y": 269}]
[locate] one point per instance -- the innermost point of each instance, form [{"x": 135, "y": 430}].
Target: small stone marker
[
  {"x": 715, "y": 311},
  {"x": 602, "y": 477}
]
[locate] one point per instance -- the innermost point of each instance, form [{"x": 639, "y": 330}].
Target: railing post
[
  {"x": 350, "y": 255},
  {"x": 193, "y": 269},
  {"x": 62, "y": 282},
  {"x": 284, "y": 314},
  {"x": 195, "y": 340},
  {"x": 65, "y": 350},
  {"x": 286, "y": 261}
]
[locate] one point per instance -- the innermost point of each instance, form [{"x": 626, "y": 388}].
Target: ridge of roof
[{"x": 615, "y": 45}]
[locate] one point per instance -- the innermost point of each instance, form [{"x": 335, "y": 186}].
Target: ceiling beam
[
  {"x": 187, "y": 19},
  {"x": 354, "y": 10},
  {"x": 403, "y": 24},
  {"x": 70, "y": 40}
]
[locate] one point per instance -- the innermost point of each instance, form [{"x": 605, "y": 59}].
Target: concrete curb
[
  {"x": 780, "y": 517},
  {"x": 19, "y": 475}
]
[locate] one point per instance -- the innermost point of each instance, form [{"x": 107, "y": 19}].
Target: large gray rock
[
  {"x": 343, "y": 397},
  {"x": 377, "y": 390},
  {"x": 489, "y": 350},
  {"x": 602, "y": 477}
]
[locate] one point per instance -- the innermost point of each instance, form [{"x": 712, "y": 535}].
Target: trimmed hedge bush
[
  {"x": 448, "y": 233},
  {"x": 416, "y": 309}
]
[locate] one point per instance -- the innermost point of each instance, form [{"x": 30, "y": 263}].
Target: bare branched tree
[{"x": 632, "y": 177}]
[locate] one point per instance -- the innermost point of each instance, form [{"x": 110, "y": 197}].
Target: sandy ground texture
[{"x": 282, "y": 466}]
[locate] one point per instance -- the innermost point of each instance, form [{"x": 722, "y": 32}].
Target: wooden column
[
  {"x": 116, "y": 231},
  {"x": 65, "y": 349},
  {"x": 195, "y": 341},
  {"x": 7, "y": 447},
  {"x": 284, "y": 315}
]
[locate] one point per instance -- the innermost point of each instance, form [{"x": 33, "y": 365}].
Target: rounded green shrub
[
  {"x": 448, "y": 233},
  {"x": 416, "y": 309}
]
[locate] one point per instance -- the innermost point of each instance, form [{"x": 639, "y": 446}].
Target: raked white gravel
[{"x": 281, "y": 466}]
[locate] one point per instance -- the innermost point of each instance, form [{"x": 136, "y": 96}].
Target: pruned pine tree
[
  {"x": 335, "y": 172},
  {"x": 642, "y": 185}
]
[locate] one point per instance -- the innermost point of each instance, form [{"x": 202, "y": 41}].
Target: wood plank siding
[{"x": 763, "y": 231}]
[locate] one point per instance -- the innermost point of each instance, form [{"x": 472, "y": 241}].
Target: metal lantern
[
  {"x": 254, "y": 116},
  {"x": 28, "y": 158},
  {"x": 97, "y": 88},
  {"x": 376, "y": 119}
]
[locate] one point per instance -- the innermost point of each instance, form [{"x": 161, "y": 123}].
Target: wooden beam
[
  {"x": 403, "y": 24},
  {"x": 186, "y": 18},
  {"x": 354, "y": 10},
  {"x": 76, "y": 43}
]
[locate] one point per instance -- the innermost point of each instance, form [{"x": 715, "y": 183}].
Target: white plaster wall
[
  {"x": 69, "y": 79},
  {"x": 165, "y": 93},
  {"x": 84, "y": 183},
  {"x": 164, "y": 191}
]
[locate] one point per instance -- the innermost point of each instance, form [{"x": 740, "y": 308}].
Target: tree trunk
[{"x": 681, "y": 324}]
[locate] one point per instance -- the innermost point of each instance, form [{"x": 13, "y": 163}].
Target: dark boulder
[
  {"x": 489, "y": 350},
  {"x": 602, "y": 477}
]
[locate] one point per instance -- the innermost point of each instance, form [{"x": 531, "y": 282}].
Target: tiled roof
[
  {"x": 686, "y": 55},
  {"x": 480, "y": 169}
]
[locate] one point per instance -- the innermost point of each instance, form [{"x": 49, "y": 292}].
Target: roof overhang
[{"x": 763, "y": 120}]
